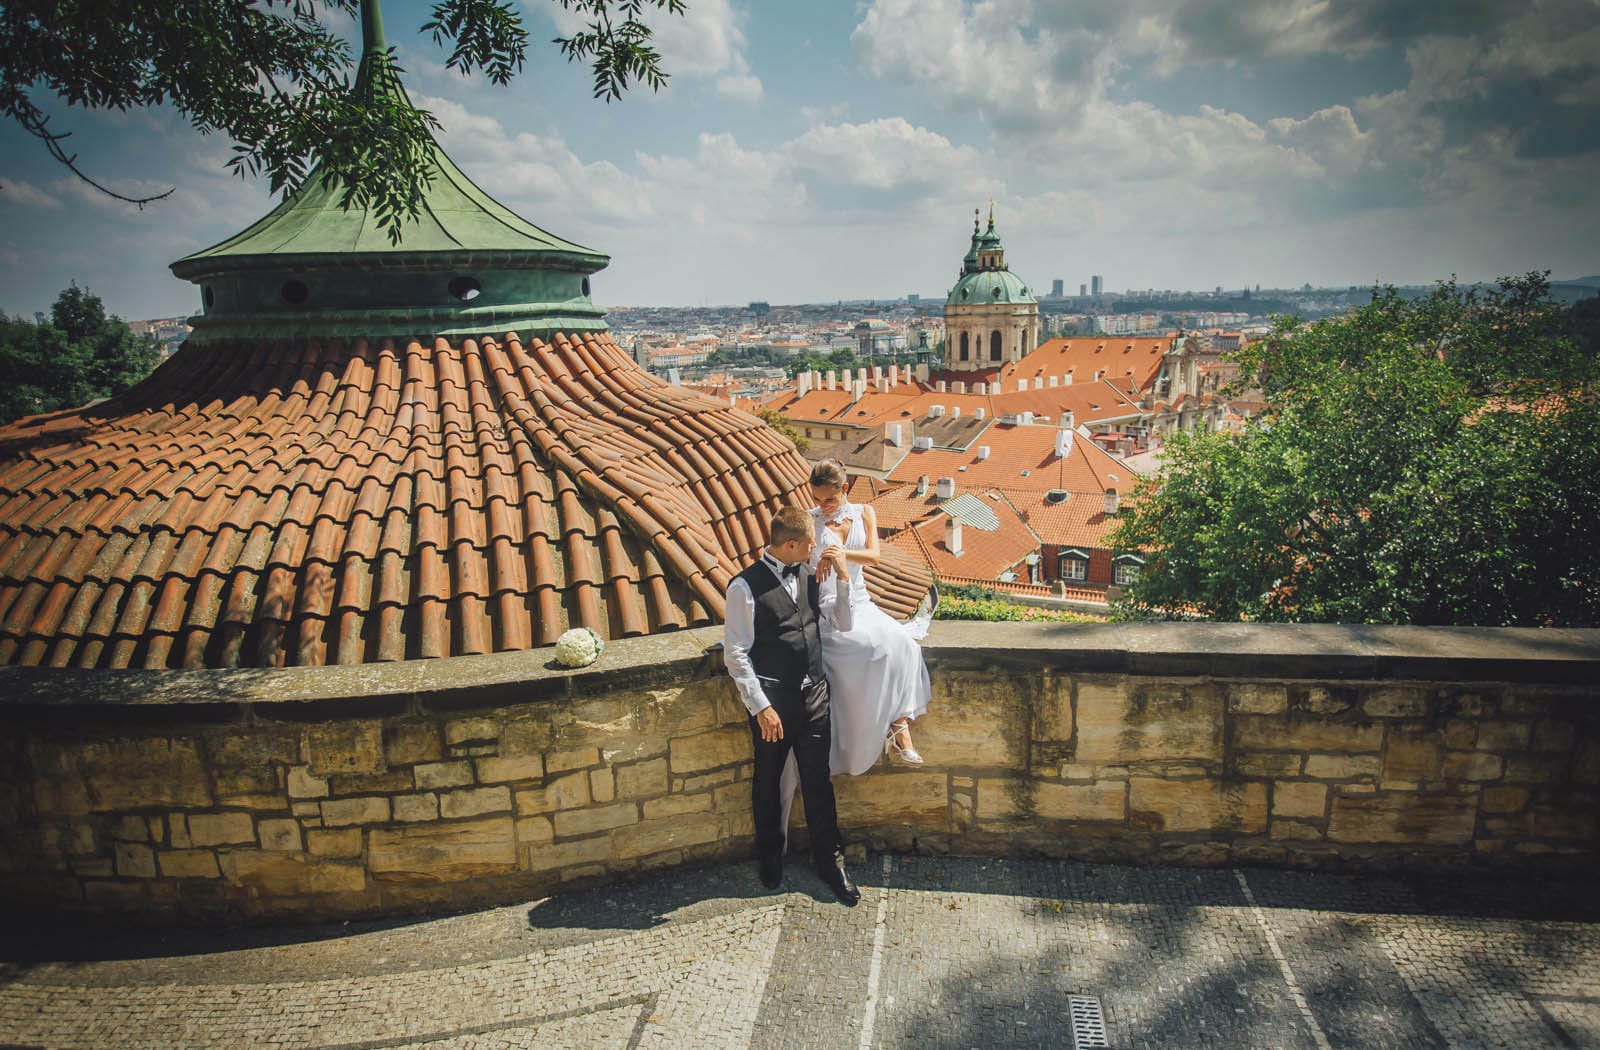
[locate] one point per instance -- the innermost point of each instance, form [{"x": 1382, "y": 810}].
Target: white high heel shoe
[{"x": 891, "y": 746}]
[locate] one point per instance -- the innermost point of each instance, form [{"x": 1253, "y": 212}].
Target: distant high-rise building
[
  {"x": 1057, "y": 289},
  {"x": 1083, "y": 290},
  {"x": 1097, "y": 284},
  {"x": 912, "y": 299}
]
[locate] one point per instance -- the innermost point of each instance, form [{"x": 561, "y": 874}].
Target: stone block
[
  {"x": 221, "y": 829},
  {"x": 632, "y": 747},
  {"x": 977, "y": 721},
  {"x": 189, "y": 864},
  {"x": 1052, "y": 710},
  {"x": 443, "y": 774},
  {"x": 1294, "y": 830},
  {"x": 1256, "y": 698},
  {"x": 525, "y": 736},
  {"x": 284, "y": 874},
  {"x": 509, "y": 770},
  {"x": 143, "y": 773},
  {"x": 1197, "y": 805},
  {"x": 642, "y": 779},
  {"x": 1292, "y": 798},
  {"x": 302, "y": 784},
  {"x": 1473, "y": 765},
  {"x": 602, "y": 784},
  {"x": 443, "y": 852},
  {"x": 474, "y": 802},
  {"x": 1321, "y": 699},
  {"x": 567, "y": 792},
  {"x": 555, "y": 855},
  {"x": 135, "y": 861},
  {"x": 471, "y": 732},
  {"x": 1504, "y": 736},
  {"x": 413, "y": 808},
  {"x": 1541, "y": 768},
  {"x": 344, "y": 747},
  {"x": 340, "y": 842},
  {"x": 592, "y": 819},
  {"x": 247, "y": 761},
  {"x": 641, "y": 840},
  {"x": 571, "y": 758},
  {"x": 1343, "y": 767},
  {"x": 132, "y": 829},
  {"x": 1300, "y": 732},
  {"x": 534, "y": 831},
  {"x": 1412, "y": 756},
  {"x": 410, "y": 743},
  {"x": 62, "y": 795},
  {"x": 1396, "y": 701},
  {"x": 1003, "y": 798},
  {"x": 281, "y": 836},
  {"x": 676, "y": 805},
  {"x": 346, "y": 811},
  {"x": 178, "y": 831},
  {"x": 703, "y": 751},
  {"x": 914, "y": 799},
  {"x": 385, "y": 783},
  {"x": 1106, "y": 800},
  {"x": 1421, "y": 820},
  {"x": 1554, "y": 734},
  {"x": 1267, "y": 763},
  {"x": 1157, "y": 721}
]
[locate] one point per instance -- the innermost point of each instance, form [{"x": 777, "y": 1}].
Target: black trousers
[{"x": 807, "y": 731}]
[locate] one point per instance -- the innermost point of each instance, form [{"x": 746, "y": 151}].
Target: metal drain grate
[{"x": 1088, "y": 1025}]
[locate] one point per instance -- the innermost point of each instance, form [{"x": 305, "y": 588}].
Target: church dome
[{"x": 989, "y": 287}]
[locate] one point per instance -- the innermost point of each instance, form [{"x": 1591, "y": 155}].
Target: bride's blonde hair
[{"x": 829, "y": 473}]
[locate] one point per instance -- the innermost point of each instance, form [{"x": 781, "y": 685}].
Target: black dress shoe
[
  {"x": 772, "y": 872},
  {"x": 838, "y": 880}
]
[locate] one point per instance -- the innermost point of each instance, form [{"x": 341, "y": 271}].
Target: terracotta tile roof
[
  {"x": 1077, "y": 521},
  {"x": 1012, "y": 450},
  {"x": 899, "y": 506},
  {"x": 263, "y": 505},
  {"x": 985, "y": 553},
  {"x": 866, "y": 451},
  {"x": 1083, "y": 355}
]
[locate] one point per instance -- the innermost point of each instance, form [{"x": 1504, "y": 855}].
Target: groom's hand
[{"x": 771, "y": 725}]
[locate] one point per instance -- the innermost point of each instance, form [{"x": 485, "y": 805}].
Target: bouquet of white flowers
[{"x": 578, "y": 647}]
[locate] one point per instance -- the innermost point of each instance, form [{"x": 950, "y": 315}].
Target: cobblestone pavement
[{"x": 941, "y": 952}]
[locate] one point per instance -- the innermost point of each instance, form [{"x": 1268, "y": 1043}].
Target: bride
[{"x": 876, "y": 675}]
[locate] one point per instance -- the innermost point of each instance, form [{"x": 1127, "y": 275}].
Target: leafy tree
[
  {"x": 1428, "y": 461},
  {"x": 779, "y": 422},
  {"x": 79, "y": 355},
  {"x": 274, "y": 77}
]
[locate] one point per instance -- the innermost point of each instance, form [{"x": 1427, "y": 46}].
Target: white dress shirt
[{"x": 741, "y": 626}]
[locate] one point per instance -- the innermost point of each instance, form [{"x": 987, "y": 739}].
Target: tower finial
[
  {"x": 975, "y": 213},
  {"x": 991, "y": 213}
]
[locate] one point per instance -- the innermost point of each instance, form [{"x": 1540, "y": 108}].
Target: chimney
[
  {"x": 1097, "y": 374},
  {"x": 1038, "y": 383},
  {"x": 1026, "y": 419},
  {"x": 802, "y": 383},
  {"x": 952, "y": 533},
  {"x": 672, "y": 376},
  {"x": 980, "y": 413},
  {"x": 1055, "y": 381},
  {"x": 894, "y": 376},
  {"x": 922, "y": 373},
  {"x": 983, "y": 453},
  {"x": 846, "y": 377},
  {"x": 858, "y": 390},
  {"x": 1066, "y": 380},
  {"x": 877, "y": 373},
  {"x": 832, "y": 379},
  {"x": 1063, "y": 442},
  {"x": 946, "y": 489},
  {"x": 1111, "y": 501},
  {"x": 955, "y": 411},
  {"x": 922, "y": 443},
  {"x": 816, "y": 380},
  {"x": 1022, "y": 385},
  {"x": 896, "y": 434},
  {"x": 935, "y": 411},
  {"x": 922, "y": 485},
  {"x": 981, "y": 389},
  {"x": 882, "y": 385},
  {"x": 940, "y": 386}
]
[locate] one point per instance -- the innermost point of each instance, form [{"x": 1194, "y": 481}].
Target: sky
[{"x": 822, "y": 150}]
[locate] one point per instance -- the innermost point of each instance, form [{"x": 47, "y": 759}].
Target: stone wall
[{"x": 437, "y": 784}]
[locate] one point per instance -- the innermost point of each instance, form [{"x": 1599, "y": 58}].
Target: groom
[{"x": 774, "y": 655}]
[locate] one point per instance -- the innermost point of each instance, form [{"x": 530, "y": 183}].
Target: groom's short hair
[{"x": 790, "y": 523}]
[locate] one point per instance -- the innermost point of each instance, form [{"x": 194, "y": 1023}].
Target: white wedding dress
[{"x": 875, "y": 670}]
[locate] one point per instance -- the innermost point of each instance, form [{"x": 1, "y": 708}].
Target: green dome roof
[{"x": 989, "y": 286}]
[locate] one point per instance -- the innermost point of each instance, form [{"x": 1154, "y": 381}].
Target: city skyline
[{"x": 815, "y": 153}]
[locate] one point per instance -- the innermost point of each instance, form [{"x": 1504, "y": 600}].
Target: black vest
[{"x": 788, "y": 644}]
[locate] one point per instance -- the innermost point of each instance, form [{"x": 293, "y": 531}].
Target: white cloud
[
  {"x": 21, "y": 194},
  {"x": 706, "y": 42}
]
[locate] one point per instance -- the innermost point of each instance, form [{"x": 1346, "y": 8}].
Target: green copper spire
[{"x": 468, "y": 265}]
